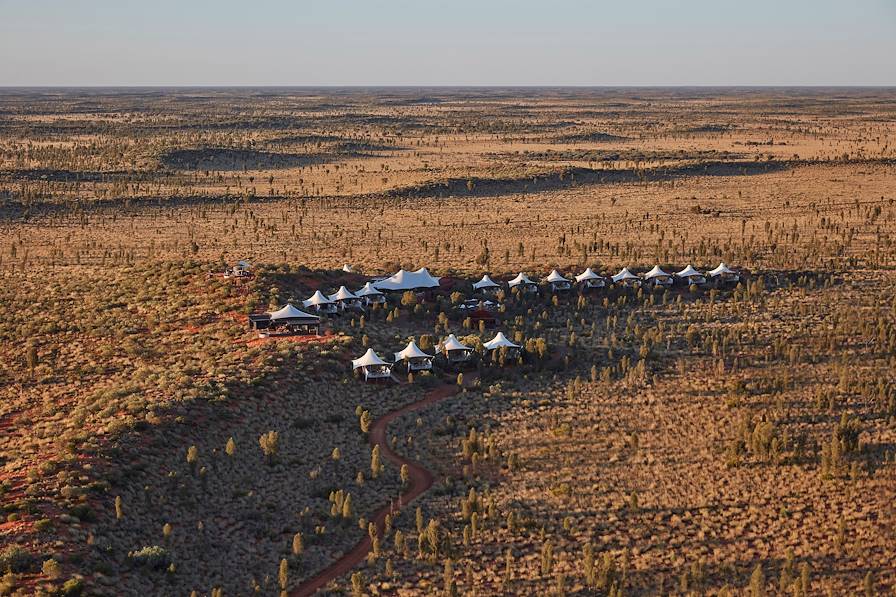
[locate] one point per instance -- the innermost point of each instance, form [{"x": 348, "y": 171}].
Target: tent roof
[
  {"x": 243, "y": 264},
  {"x": 588, "y": 274},
  {"x": 498, "y": 341},
  {"x": 290, "y": 312},
  {"x": 411, "y": 351},
  {"x": 485, "y": 282},
  {"x": 343, "y": 294},
  {"x": 367, "y": 290},
  {"x": 405, "y": 280},
  {"x": 722, "y": 269},
  {"x": 688, "y": 272},
  {"x": 369, "y": 359},
  {"x": 656, "y": 272},
  {"x": 347, "y": 268},
  {"x": 452, "y": 343},
  {"x": 556, "y": 276},
  {"x": 521, "y": 278},
  {"x": 317, "y": 299},
  {"x": 624, "y": 274}
]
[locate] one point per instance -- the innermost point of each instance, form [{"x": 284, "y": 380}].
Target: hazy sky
[{"x": 456, "y": 42}]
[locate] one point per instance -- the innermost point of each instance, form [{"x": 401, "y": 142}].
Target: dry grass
[{"x": 664, "y": 444}]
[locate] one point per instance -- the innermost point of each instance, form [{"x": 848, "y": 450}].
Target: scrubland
[{"x": 735, "y": 440}]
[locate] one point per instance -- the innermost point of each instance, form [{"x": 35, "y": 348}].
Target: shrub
[
  {"x": 72, "y": 587},
  {"x": 152, "y": 557},
  {"x": 15, "y": 559},
  {"x": 51, "y": 569}
]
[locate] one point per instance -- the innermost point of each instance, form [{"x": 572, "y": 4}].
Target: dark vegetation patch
[{"x": 215, "y": 158}]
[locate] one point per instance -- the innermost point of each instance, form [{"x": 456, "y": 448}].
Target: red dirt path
[{"x": 420, "y": 479}]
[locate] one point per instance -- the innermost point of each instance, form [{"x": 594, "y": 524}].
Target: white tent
[
  {"x": 485, "y": 283},
  {"x": 405, "y": 280},
  {"x": 499, "y": 341},
  {"x": 416, "y": 359},
  {"x": 288, "y": 320},
  {"x": 345, "y": 297},
  {"x": 691, "y": 276},
  {"x": 727, "y": 274},
  {"x": 589, "y": 279},
  {"x": 658, "y": 277},
  {"x": 320, "y": 303},
  {"x": 626, "y": 278},
  {"x": 557, "y": 281},
  {"x": 348, "y": 269},
  {"x": 523, "y": 281},
  {"x": 370, "y": 295},
  {"x": 290, "y": 312},
  {"x": 372, "y": 365},
  {"x": 455, "y": 351}
]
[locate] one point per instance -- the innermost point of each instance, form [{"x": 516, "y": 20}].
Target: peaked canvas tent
[
  {"x": 371, "y": 295},
  {"x": 320, "y": 303},
  {"x": 416, "y": 359},
  {"x": 348, "y": 269},
  {"x": 500, "y": 341},
  {"x": 372, "y": 366},
  {"x": 486, "y": 284},
  {"x": 658, "y": 278},
  {"x": 724, "y": 274},
  {"x": 691, "y": 276},
  {"x": 404, "y": 280},
  {"x": 557, "y": 282},
  {"x": 454, "y": 350},
  {"x": 626, "y": 278},
  {"x": 288, "y": 320},
  {"x": 345, "y": 298},
  {"x": 524, "y": 283},
  {"x": 588, "y": 279}
]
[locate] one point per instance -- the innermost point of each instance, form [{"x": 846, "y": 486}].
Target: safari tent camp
[
  {"x": 285, "y": 321},
  {"x": 454, "y": 350},
  {"x": 657, "y": 278},
  {"x": 486, "y": 285},
  {"x": 372, "y": 366},
  {"x": 370, "y": 295},
  {"x": 345, "y": 298},
  {"x": 524, "y": 283},
  {"x": 500, "y": 341},
  {"x": 626, "y": 278},
  {"x": 318, "y": 302},
  {"x": 557, "y": 283},
  {"x": 588, "y": 279},
  {"x": 404, "y": 280},
  {"x": 414, "y": 358},
  {"x": 690, "y": 276},
  {"x": 723, "y": 274}
]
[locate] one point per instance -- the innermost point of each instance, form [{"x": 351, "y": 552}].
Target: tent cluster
[
  {"x": 372, "y": 366},
  {"x": 589, "y": 279}
]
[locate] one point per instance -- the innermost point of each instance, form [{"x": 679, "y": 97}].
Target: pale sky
[{"x": 451, "y": 42}]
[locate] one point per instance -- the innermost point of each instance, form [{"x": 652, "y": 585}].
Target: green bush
[
  {"x": 15, "y": 559},
  {"x": 153, "y": 557}
]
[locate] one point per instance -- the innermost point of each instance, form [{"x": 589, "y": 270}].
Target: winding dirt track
[{"x": 420, "y": 479}]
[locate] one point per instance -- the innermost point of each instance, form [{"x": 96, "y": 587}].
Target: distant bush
[
  {"x": 152, "y": 557},
  {"x": 15, "y": 559}
]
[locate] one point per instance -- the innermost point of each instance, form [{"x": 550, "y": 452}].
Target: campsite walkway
[{"x": 420, "y": 479}]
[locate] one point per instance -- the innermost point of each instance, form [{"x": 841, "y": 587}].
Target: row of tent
[
  {"x": 372, "y": 366},
  {"x": 590, "y": 279},
  {"x": 295, "y": 320}
]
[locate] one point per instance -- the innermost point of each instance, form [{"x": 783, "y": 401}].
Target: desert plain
[{"x": 727, "y": 439}]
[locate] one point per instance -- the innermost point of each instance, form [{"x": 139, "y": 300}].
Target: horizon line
[{"x": 452, "y": 86}]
